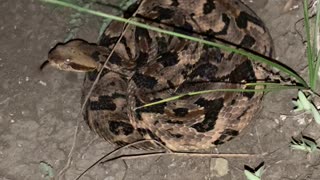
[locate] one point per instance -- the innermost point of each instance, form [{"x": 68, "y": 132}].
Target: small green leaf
[
  {"x": 46, "y": 170},
  {"x": 299, "y": 106},
  {"x": 303, "y": 144},
  {"x": 260, "y": 171},
  {"x": 297, "y": 147},
  {"x": 254, "y": 174},
  {"x": 311, "y": 144},
  {"x": 304, "y": 101},
  {"x": 251, "y": 176},
  {"x": 315, "y": 114}
]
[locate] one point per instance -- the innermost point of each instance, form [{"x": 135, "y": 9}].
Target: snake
[{"x": 139, "y": 66}]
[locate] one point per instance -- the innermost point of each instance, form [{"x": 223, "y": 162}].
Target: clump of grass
[
  {"x": 312, "y": 46},
  {"x": 304, "y": 144},
  {"x": 254, "y": 174},
  {"x": 305, "y": 104}
]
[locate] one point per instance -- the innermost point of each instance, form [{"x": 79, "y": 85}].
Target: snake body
[{"x": 147, "y": 66}]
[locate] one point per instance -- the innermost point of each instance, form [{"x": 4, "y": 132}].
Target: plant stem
[{"x": 310, "y": 56}]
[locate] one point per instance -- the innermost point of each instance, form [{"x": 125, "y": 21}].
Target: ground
[{"x": 39, "y": 110}]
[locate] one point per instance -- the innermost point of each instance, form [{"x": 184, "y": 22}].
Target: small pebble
[
  {"x": 43, "y": 83},
  {"x": 301, "y": 121},
  {"x": 283, "y": 117},
  {"x": 219, "y": 167},
  {"x": 109, "y": 178}
]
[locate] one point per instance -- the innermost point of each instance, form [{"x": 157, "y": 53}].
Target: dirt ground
[{"x": 39, "y": 110}]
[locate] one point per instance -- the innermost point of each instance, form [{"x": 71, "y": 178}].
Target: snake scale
[{"x": 148, "y": 66}]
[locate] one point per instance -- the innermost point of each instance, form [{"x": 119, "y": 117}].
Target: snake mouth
[
  {"x": 44, "y": 64},
  {"x": 81, "y": 68},
  {"x": 70, "y": 66}
]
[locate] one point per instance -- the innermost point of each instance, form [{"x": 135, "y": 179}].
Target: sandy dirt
[{"x": 39, "y": 110}]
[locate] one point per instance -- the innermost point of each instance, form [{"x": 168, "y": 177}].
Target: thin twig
[
  {"x": 64, "y": 169},
  {"x": 125, "y": 173},
  {"x": 154, "y": 154},
  {"x": 190, "y": 154},
  {"x": 110, "y": 153}
]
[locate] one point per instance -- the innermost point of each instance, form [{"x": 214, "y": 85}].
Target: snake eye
[
  {"x": 66, "y": 64},
  {"x": 67, "y": 61}
]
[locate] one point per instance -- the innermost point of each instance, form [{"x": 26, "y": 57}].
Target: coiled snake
[{"x": 147, "y": 66}]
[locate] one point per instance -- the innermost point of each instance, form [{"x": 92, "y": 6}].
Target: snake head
[{"x": 75, "y": 55}]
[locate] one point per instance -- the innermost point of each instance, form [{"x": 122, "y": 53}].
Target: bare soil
[{"x": 39, "y": 110}]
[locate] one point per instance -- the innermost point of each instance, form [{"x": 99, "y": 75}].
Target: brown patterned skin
[{"x": 148, "y": 66}]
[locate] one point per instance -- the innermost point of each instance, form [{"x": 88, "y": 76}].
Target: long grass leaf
[
  {"x": 316, "y": 72},
  {"x": 213, "y": 91},
  {"x": 315, "y": 30},
  {"x": 269, "y": 84},
  {"x": 309, "y": 48},
  {"x": 316, "y": 50}
]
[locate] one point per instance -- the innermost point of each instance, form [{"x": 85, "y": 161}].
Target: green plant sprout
[
  {"x": 304, "y": 103},
  {"x": 254, "y": 174},
  {"x": 304, "y": 144},
  {"x": 46, "y": 170},
  {"x": 312, "y": 45}
]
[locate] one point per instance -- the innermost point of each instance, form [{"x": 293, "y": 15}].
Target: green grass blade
[
  {"x": 251, "y": 176},
  {"x": 251, "y": 56},
  {"x": 218, "y": 90},
  {"x": 316, "y": 51},
  {"x": 316, "y": 70},
  {"x": 315, "y": 32},
  {"x": 309, "y": 48},
  {"x": 304, "y": 101},
  {"x": 262, "y": 84},
  {"x": 272, "y": 84}
]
